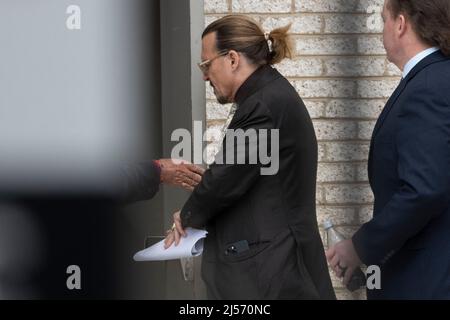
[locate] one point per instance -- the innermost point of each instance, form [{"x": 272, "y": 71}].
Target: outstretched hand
[{"x": 180, "y": 173}]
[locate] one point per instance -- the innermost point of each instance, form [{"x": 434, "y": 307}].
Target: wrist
[{"x": 158, "y": 167}]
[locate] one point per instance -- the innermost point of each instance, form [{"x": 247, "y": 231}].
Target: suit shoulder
[
  {"x": 276, "y": 99},
  {"x": 437, "y": 77},
  {"x": 425, "y": 103},
  {"x": 280, "y": 96},
  {"x": 432, "y": 82}
]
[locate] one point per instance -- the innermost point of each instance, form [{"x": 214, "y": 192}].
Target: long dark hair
[{"x": 244, "y": 35}]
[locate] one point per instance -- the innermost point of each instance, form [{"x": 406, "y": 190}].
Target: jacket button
[{"x": 231, "y": 249}]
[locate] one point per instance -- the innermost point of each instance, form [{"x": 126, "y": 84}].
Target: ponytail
[
  {"x": 281, "y": 45},
  {"x": 244, "y": 35}
]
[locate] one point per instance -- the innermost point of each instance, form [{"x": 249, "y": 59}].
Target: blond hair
[{"x": 244, "y": 35}]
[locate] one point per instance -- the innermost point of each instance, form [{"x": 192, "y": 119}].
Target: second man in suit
[{"x": 409, "y": 162}]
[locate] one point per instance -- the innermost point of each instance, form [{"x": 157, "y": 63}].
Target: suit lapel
[
  {"x": 432, "y": 58},
  {"x": 398, "y": 91},
  {"x": 381, "y": 120}
]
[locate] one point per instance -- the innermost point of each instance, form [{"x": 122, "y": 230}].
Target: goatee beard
[{"x": 222, "y": 100}]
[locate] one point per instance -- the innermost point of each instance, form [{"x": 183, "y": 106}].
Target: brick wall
[{"x": 343, "y": 76}]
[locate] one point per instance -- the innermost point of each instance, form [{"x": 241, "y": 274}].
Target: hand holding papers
[{"x": 189, "y": 246}]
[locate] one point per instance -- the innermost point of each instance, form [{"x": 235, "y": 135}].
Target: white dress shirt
[{"x": 416, "y": 59}]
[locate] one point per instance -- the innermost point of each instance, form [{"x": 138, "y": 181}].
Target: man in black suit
[
  {"x": 409, "y": 163},
  {"x": 263, "y": 240}
]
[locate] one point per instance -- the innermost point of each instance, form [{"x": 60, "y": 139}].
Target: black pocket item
[{"x": 237, "y": 247}]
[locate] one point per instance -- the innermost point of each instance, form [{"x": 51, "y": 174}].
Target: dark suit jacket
[
  {"x": 409, "y": 172},
  {"x": 275, "y": 214},
  {"x": 136, "y": 182}
]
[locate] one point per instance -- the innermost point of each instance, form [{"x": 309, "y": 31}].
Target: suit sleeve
[
  {"x": 224, "y": 184},
  {"x": 423, "y": 148},
  {"x": 139, "y": 182}
]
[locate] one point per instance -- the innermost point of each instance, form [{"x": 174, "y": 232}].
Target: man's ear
[
  {"x": 401, "y": 25},
  {"x": 235, "y": 59}
]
